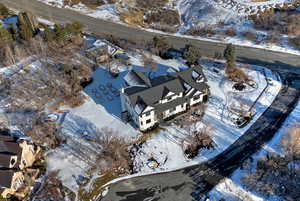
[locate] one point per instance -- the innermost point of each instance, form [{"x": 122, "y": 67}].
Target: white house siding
[
  {"x": 127, "y": 107},
  {"x": 173, "y": 97},
  {"x": 193, "y": 101},
  {"x": 122, "y": 97},
  {"x": 143, "y": 119},
  {"x": 178, "y": 109}
]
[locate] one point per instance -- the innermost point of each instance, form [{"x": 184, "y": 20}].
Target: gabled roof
[
  {"x": 152, "y": 95},
  {"x": 8, "y": 147},
  {"x": 151, "y": 91},
  {"x": 6, "y": 177}
]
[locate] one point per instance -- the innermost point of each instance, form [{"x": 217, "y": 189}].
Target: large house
[
  {"x": 148, "y": 100},
  {"x": 15, "y": 156}
]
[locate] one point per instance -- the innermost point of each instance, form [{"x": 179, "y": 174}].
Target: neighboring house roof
[
  {"x": 147, "y": 92},
  {"x": 6, "y": 177},
  {"x": 8, "y": 147}
]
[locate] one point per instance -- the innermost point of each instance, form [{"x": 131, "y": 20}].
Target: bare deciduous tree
[{"x": 115, "y": 153}]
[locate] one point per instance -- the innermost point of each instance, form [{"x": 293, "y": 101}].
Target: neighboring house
[
  {"x": 112, "y": 49},
  {"x": 15, "y": 156},
  {"x": 97, "y": 54},
  {"x": 147, "y": 101}
]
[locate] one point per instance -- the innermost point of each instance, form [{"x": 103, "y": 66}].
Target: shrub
[
  {"x": 163, "y": 16},
  {"x": 229, "y": 53},
  {"x": 272, "y": 38},
  {"x": 133, "y": 17},
  {"x": 235, "y": 74},
  {"x": 150, "y": 4},
  {"x": 198, "y": 31},
  {"x": 192, "y": 54},
  {"x": 296, "y": 42},
  {"x": 164, "y": 28},
  {"x": 270, "y": 169},
  {"x": 5, "y": 35},
  {"x": 198, "y": 140},
  {"x": 250, "y": 36},
  {"x": 44, "y": 133},
  {"x": 161, "y": 44},
  {"x": 115, "y": 153},
  {"x": 230, "y": 32},
  {"x": 4, "y": 10}
]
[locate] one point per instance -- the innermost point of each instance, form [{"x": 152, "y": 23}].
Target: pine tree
[
  {"x": 25, "y": 32},
  {"x": 161, "y": 44},
  {"x": 5, "y": 35},
  {"x": 77, "y": 27},
  {"x": 229, "y": 53},
  {"x": 49, "y": 34},
  {"x": 60, "y": 33},
  {"x": 192, "y": 54},
  {"x": 4, "y": 10}
]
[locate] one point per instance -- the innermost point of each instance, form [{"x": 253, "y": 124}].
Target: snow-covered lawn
[
  {"x": 233, "y": 188},
  {"x": 105, "y": 12},
  {"x": 102, "y": 109},
  {"x": 165, "y": 146},
  {"x": 77, "y": 155}
]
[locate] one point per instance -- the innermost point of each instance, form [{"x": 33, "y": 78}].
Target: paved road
[
  {"x": 99, "y": 27},
  {"x": 190, "y": 183}
]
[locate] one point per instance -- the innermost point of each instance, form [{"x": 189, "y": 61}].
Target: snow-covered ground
[
  {"x": 233, "y": 188},
  {"x": 203, "y": 12},
  {"x": 78, "y": 154},
  {"x": 102, "y": 109},
  {"x": 105, "y": 12},
  {"x": 199, "y": 13},
  {"x": 165, "y": 146}
]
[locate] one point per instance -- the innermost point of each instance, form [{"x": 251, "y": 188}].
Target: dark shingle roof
[
  {"x": 6, "y": 177},
  {"x": 8, "y": 147},
  {"x": 172, "y": 104},
  {"x": 152, "y": 95},
  {"x": 159, "y": 87}
]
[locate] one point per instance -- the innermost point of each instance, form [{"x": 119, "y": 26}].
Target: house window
[
  {"x": 148, "y": 121},
  {"x": 147, "y": 113},
  {"x": 141, "y": 123},
  {"x": 172, "y": 109},
  {"x": 12, "y": 161},
  {"x": 196, "y": 97}
]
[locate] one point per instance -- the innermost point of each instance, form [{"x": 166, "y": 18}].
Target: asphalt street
[
  {"x": 99, "y": 27},
  {"x": 193, "y": 182}
]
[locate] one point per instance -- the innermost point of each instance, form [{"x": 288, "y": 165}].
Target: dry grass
[
  {"x": 150, "y": 4},
  {"x": 199, "y": 31},
  {"x": 280, "y": 22},
  {"x": 97, "y": 187},
  {"x": 133, "y": 18},
  {"x": 163, "y": 16},
  {"x": 198, "y": 140},
  {"x": 235, "y": 74}
]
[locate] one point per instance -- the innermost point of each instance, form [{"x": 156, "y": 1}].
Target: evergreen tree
[
  {"x": 5, "y": 35},
  {"x": 25, "y": 32},
  {"x": 60, "y": 33},
  {"x": 229, "y": 53},
  {"x": 191, "y": 54},
  {"x": 77, "y": 27},
  {"x": 161, "y": 44},
  {"x": 49, "y": 34},
  {"x": 4, "y": 10}
]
